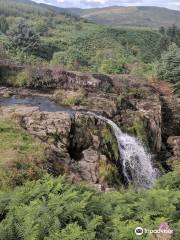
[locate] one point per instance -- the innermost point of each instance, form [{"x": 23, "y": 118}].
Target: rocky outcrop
[
  {"x": 174, "y": 146},
  {"x": 75, "y": 143},
  {"x": 80, "y": 142},
  {"x": 171, "y": 116}
]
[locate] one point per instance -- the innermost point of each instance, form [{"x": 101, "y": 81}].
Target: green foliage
[
  {"x": 138, "y": 130},
  {"x": 169, "y": 67},
  {"x": 108, "y": 172},
  {"x": 22, "y": 79},
  {"x": 111, "y": 144},
  {"x": 67, "y": 99},
  {"x": 109, "y": 61},
  {"x": 73, "y": 58},
  {"x": 145, "y": 71},
  {"x": 4, "y": 26},
  {"x": 74, "y": 43},
  {"x": 23, "y": 9},
  {"x": 23, "y": 37},
  {"x": 59, "y": 58},
  {"x": 170, "y": 181},
  {"x": 41, "y": 26},
  {"x": 169, "y": 35},
  {"x": 173, "y": 33},
  {"x": 54, "y": 209},
  {"x": 21, "y": 157}
]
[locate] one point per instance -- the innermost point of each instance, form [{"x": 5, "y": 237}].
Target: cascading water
[{"x": 135, "y": 160}]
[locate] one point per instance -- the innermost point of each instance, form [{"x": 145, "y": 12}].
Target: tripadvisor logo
[
  {"x": 163, "y": 229},
  {"x": 139, "y": 231}
]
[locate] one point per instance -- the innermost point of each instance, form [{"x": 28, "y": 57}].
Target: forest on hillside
[{"x": 134, "y": 80}]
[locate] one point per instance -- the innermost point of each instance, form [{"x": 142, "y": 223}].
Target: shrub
[
  {"x": 69, "y": 98},
  {"x": 4, "y": 26},
  {"x": 110, "y": 144},
  {"x": 22, "y": 79},
  {"x": 169, "y": 67},
  {"x": 53, "y": 208},
  {"x": 23, "y": 37}
]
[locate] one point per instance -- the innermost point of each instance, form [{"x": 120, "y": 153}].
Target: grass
[{"x": 21, "y": 156}]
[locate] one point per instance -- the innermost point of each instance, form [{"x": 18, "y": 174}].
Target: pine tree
[
  {"x": 3, "y": 24},
  {"x": 169, "y": 67}
]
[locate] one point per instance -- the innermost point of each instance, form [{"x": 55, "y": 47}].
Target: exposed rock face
[
  {"x": 74, "y": 142},
  {"x": 171, "y": 116},
  {"x": 174, "y": 145},
  {"x": 88, "y": 165},
  {"x": 53, "y": 78},
  {"x": 150, "y": 112},
  {"x": 143, "y": 118},
  {"x": 80, "y": 144}
]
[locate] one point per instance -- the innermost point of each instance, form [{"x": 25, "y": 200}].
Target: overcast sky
[{"x": 173, "y": 4}]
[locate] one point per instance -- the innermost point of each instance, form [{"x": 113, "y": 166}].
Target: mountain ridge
[
  {"x": 128, "y": 16},
  {"x": 118, "y": 16}
]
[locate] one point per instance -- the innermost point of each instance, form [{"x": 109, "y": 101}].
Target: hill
[
  {"x": 74, "y": 42},
  {"x": 130, "y": 16}
]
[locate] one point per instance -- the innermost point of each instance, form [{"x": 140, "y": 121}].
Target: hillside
[
  {"x": 75, "y": 43},
  {"x": 89, "y": 127},
  {"x": 131, "y": 16}
]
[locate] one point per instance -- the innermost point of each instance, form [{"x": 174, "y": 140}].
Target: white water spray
[{"x": 135, "y": 160}]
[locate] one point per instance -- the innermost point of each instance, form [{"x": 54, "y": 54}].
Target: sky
[{"x": 172, "y": 4}]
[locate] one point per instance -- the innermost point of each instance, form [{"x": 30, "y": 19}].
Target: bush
[
  {"x": 4, "y": 26},
  {"x": 52, "y": 208},
  {"x": 23, "y": 37},
  {"x": 169, "y": 67},
  {"x": 22, "y": 79}
]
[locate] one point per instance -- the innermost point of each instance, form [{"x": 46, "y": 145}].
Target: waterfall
[{"x": 135, "y": 160}]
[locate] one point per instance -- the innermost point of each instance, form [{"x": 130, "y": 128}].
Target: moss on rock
[
  {"x": 108, "y": 173},
  {"x": 111, "y": 145},
  {"x": 138, "y": 130}
]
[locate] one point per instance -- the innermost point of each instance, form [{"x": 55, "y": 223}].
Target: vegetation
[
  {"x": 36, "y": 33},
  {"x": 138, "y": 130},
  {"x": 52, "y": 208},
  {"x": 111, "y": 144},
  {"x": 169, "y": 67},
  {"x": 130, "y": 16},
  {"x": 69, "y": 98},
  {"x": 21, "y": 158},
  {"x": 109, "y": 173},
  {"x": 36, "y": 43},
  {"x": 23, "y": 37}
]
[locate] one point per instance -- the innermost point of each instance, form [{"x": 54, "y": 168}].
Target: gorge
[
  {"x": 85, "y": 140},
  {"x": 134, "y": 159}
]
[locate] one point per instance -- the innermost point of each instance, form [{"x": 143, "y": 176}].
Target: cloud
[{"x": 172, "y": 4}]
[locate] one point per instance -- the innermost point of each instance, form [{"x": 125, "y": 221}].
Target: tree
[
  {"x": 171, "y": 32},
  {"x": 74, "y": 58},
  {"x": 174, "y": 34},
  {"x": 164, "y": 43},
  {"x": 162, "y": 30},
  {"x": 22, "y": 36},
  {"x": 3, "y": 24},
  {"x": 169, "y": 67}
]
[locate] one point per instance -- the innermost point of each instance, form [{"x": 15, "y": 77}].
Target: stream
[
  {"x": 43, "y": 103},
  {"x": 136, "y": 161}
]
